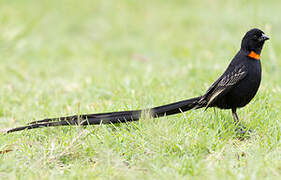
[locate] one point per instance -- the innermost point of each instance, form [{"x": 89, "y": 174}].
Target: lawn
[{"x": 70, "y": 57}]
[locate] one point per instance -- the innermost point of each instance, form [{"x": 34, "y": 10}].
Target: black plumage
[{"x": 234, "y": 89}]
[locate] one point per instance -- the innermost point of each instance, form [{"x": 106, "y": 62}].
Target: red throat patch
[{"x": 254, "y": 55}]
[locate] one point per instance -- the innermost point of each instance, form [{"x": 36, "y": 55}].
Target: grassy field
[{"x": 68, "y": 57}]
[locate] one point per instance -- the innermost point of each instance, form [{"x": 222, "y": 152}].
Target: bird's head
[{"x": 253, "y": 41}]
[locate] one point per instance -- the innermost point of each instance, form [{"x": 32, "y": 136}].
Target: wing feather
[{"x": 225, "y": 83}]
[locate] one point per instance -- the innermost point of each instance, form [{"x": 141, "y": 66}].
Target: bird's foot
[{"x": 242, "y": 131}]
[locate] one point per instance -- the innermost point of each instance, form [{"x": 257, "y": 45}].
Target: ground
[{"x": 71, "y": 57}]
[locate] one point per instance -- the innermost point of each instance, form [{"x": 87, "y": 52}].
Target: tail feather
[{"x": 114, "y": 117}]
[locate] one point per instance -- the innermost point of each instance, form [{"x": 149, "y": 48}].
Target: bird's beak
[{"x": 264, "y": 37}]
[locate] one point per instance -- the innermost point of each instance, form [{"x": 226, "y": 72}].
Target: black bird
[{"x": 234, "y": 89}]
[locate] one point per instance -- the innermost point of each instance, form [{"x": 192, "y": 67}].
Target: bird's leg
[
  {"x": 239, "y": 128},
  {"x": 235, "y": 116}
]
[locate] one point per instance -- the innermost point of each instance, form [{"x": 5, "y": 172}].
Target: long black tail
[{"x": 114, "y": 117}]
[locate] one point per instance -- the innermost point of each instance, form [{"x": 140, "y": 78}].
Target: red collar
[{"x": 254, "y": 55}]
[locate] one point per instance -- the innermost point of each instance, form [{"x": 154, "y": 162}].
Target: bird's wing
[{"x": 224, "y": 84}]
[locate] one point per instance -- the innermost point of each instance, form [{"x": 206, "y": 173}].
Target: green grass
[{"x": 67, "y": 57}]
